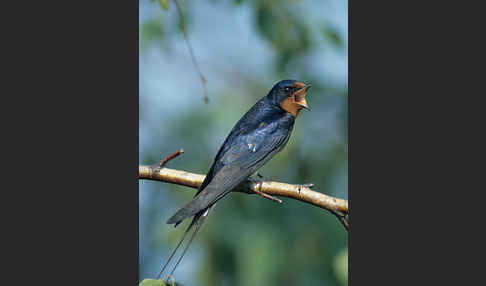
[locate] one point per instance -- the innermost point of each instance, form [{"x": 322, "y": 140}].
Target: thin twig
[
  {"x": 189, "y": 47},
  {"x": 170, "y": 157},
  {"x": 342, "y": 218}
]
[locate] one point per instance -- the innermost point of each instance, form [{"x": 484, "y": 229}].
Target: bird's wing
[
  {"x": 246, "y": 125},
  {"x": 244, "y": 156}
]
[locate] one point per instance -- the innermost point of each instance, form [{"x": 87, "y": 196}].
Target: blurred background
[{"x": 243, "y": 48}]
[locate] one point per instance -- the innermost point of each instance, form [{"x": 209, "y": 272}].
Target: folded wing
[{"x": 246, "y": 154}]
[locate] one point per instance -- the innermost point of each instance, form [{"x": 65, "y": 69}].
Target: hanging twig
[{"x": 189, "y": 47}]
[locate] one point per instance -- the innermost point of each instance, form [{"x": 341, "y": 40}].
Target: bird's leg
[{"x": 260, "y": 193}]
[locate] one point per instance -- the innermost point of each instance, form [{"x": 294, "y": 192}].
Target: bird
[{"x": 260, "y": 134}]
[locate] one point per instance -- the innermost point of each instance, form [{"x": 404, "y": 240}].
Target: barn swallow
[{"x": 260, "y": 134}]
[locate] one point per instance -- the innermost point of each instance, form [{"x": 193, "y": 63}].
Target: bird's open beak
[{"x": 299, "y": 95}]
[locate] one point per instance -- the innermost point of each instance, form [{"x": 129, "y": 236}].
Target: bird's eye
[{"x": 287, "y": 88}]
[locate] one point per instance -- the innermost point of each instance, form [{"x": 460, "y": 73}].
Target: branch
[{"x": 338, "y": 207}]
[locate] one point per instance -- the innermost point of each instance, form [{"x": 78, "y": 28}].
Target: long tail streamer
[{"x": 198, "y": 221}]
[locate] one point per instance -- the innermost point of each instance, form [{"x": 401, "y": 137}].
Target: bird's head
[{"x": 289, "y": 95}]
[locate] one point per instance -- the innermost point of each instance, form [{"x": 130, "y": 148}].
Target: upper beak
[{"x": 299, "y": 96}]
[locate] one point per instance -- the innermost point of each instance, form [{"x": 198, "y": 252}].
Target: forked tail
[{"x": 197, "y": 221}]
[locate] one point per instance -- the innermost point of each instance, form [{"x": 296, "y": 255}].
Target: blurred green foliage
[
  {"x": 150, "y": 30},
  {"x": 164, "y": 4},
  {"x": 282, "y": 28},
  {"x": 249, "y": 240}
]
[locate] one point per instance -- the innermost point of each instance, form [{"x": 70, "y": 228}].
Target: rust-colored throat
[{"x": 296, "y": 102}]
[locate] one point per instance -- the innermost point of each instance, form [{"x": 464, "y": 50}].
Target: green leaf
[
  {"x": 152, "y": 282},
  {"x": 164, "y": 4}
]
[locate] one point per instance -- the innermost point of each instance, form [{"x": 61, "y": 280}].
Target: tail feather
[
  {"x": 177, "y": 247},
  {"x": 189, "y": 210},
  {"x": 197, "y": 221},
  {"x": 200, "y": 221},
  {"x": 201, "y": 202}
]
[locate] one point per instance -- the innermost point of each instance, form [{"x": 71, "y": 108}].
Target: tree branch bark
[{"x": 338, "y": 207}]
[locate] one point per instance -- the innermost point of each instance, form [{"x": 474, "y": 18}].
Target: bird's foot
[{"x": 259, "y": 192}]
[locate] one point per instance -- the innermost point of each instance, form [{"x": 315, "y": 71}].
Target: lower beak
[
  {"x": 299, "y": 96},
  {"x": 303, "y": 103}
]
